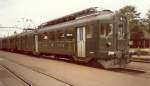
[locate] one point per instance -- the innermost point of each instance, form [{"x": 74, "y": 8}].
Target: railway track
[
  {"x": 136, "y": 69},
  {"x": 24, "y": 73},
  {"x": 30, "y": 68},
  {"x": 78, "y": 75},
  {"x": 129, "y": 71},
  {"x": 15, "y": 75},
  {"x": 95, "y": 65},
  {"x": 13, "y": 78}
]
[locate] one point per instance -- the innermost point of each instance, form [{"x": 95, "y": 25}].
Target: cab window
[
  {"x": 106, "y": 30},
  {"x": 121, "y": 34}
]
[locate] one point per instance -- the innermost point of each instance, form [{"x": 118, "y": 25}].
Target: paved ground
[
  {"x": 141, "y": 56},
  {"x": 33, "y": 78},
  {"x": 75, "y": 75},
  {"x": 141, "y": 66},
  {"x": 9, "y": 79}
]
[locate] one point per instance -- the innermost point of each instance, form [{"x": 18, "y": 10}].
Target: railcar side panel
[
  {"x": 60, "y": 41},
  {"x": 0, "y": 43}
]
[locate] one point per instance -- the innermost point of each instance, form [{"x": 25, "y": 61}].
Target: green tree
[
  {"x": 132, "y": 15},
  {"x": 130, "y": 12}
]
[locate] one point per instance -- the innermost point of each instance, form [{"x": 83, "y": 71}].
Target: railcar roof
[
  {"x": 26, "y": 33},
  {"x": 98, "y": 16},
  {"x": 73, "y": 16},
  {"x": 19, "y": 34}
]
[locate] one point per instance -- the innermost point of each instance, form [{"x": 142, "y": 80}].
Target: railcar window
[
  {"x": 40, "y": 37},
  {"x": 45, "y": 36},
  {"x": 81, "y": 34},
  {"x": 121, "y": 34},
  {"x": 89, "y": 32},
  {"x": 70, "y": 33},
  {"x": 106, "y": 30},
  {"x": 60, "y": 35},
  {"x": 51, "y": 36}
]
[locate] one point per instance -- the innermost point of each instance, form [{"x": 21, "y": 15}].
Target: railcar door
[
  {"x": 81, "y": 41},
  {"x": 36, "y": 43}
]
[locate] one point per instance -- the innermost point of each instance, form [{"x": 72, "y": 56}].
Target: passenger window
[
  {"x": 45, "y": 36},
  {"x": 70, "y": 33},
  {"x": 60, "y": 35},
  {"x": 51, "y": 36},
  {"x": 40, "y": 37},
  {"x": 89, "y": 32},
  {"x": 106, "y": 30}
]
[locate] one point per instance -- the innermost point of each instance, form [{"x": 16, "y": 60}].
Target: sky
[{"x": 14, "y": 12}]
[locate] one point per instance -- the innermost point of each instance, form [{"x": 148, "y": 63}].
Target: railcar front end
[{"x": 113, "y": 38}]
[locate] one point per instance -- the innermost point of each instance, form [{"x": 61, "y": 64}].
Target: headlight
[
  {"x": 111, "y": 53},
  {"x": 108, "y": 44}
]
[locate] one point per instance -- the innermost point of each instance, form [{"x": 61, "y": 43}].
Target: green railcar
[
  {"x": 89, "y": 35},
  {"x": 102, "y": 36}
]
